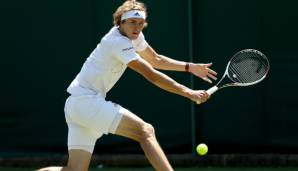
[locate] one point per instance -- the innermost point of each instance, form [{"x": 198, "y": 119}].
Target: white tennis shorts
[{"x": 89, "y": 117}]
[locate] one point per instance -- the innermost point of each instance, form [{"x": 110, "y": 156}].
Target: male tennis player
[{"x": 89, "y": 115}]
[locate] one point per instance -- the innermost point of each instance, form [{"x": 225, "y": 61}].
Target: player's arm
[
  {"x": 160, "y": 61},
  {"x": 165, "y": 63},
  {"x": 163, "y": 81}
]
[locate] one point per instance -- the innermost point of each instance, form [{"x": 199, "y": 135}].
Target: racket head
[{"x": 247, "y": 67}]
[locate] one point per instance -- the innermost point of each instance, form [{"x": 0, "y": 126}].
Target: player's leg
[
  {"x": 78, "y": 160},
  {"x": 133, "y": 127},
  {"x": 81, "y": 143},
  {"x": 81, "y": 138}
]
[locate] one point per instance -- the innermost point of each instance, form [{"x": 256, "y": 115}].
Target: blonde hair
[{"x": 128, "y": 6}]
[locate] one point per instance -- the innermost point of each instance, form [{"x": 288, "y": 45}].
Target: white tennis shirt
[{"x": 106, "y": 63}]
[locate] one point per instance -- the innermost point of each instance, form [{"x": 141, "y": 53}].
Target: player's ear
[{"x": 145, "y": 24}]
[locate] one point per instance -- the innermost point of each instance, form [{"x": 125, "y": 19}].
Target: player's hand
[
  {"x": 203, "y": 71},
  {"x": 200, "y": 95}
]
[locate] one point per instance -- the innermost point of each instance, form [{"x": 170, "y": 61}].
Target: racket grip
[{"x": 210, "y": 91}]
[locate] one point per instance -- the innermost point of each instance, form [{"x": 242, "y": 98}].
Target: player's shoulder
[
  {"x": 114, "y": 38},
  {"x": 116, "y": 43}
]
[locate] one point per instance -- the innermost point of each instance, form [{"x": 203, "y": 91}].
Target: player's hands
[
  {"x": 200, "y": 96},
  {"x": 203, "y": 71}
]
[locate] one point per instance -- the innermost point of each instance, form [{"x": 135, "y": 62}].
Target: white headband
[{"x": 133, "y": 14}]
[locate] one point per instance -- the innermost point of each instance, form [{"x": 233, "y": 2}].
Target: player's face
[{"x": 132, "y": 27}]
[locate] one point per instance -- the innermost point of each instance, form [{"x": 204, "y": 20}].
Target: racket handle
[{"x": 210, "y": 91}]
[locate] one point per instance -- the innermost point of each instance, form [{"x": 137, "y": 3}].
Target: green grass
[{"x": 176, "y": 169}]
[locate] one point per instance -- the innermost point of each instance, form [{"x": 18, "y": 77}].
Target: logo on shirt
[
  {"x": 126, "y": 49},
  {"x": 137, "y": 14}
]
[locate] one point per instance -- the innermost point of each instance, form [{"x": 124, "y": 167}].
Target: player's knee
[{"x": 147, "y": 131}]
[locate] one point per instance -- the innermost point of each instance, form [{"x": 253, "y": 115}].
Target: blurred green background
[{"x": 44, "y": 44}]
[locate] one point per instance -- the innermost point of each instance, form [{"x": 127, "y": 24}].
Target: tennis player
[{"x": 89, "y": 115}]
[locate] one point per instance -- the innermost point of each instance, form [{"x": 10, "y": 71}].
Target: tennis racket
[{"x": 247, "y": 67}]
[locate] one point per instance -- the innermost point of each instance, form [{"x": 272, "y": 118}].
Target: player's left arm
[{"x": 165, "y": 63}]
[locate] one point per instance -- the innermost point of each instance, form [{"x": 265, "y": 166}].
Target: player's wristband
[{"x": 187, "y": 67}]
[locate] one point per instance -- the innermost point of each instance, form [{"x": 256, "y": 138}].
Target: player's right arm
[{"x": 165, "y": 82}]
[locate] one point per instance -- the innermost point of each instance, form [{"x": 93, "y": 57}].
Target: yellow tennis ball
[{"x": 202, "y": 149}]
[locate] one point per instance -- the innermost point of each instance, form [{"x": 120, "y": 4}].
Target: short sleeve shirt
[{"x": 107, "y": 63}]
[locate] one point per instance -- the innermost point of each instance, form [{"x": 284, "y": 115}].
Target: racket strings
[
  {"x": 247, "y": 71},
  {"x": 241, "y": 76},
  {"x": 248, "y": 67},
  {"x": 237, "y": 76},
  {"x": 243, "y": 71}
]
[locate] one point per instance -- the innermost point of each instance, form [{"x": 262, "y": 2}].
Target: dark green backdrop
[{"x": 44, "y": 44}]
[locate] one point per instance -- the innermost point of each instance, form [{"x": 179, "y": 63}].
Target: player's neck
[{"x": 122, "y": 32}]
